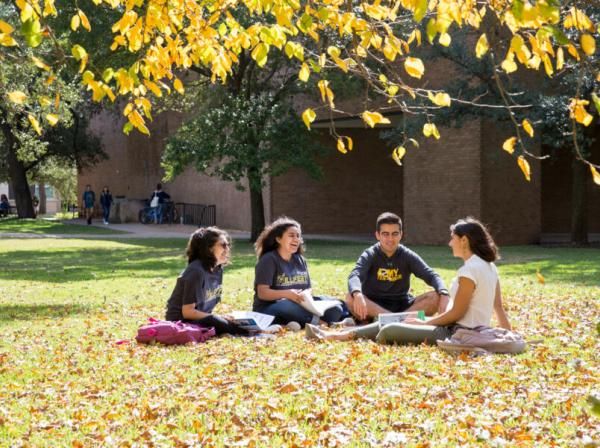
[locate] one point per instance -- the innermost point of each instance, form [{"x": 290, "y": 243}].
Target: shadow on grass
[
  {"x": 48, "y": 227},
  {"x": 40, "y": 311}
]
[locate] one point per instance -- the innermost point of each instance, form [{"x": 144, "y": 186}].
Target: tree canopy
[{"x": 380, "y": 41}]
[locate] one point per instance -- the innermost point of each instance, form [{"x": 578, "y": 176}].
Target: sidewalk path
[{"x": 136, "y": 230}]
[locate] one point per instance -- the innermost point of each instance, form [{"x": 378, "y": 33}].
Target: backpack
[
  {"x": 172, "y": 333},
  {"x": 484, "y": 339}
]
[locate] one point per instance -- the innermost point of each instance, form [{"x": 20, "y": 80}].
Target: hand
[
  {"x": 414, "y": 321},
  {"x": 360, "y": 306},
  {"x": 443, "y": 303},
  {"x": 228, "y": 317},
  {"x": 295, "y": 295}
]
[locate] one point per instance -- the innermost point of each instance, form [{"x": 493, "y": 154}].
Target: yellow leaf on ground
[
  {"x": 482, "y": 46},
  {"x": 527, "y": 127},
  {"x": 308, "y": 116},
  {"x": 540, "y": 277},
  {"x": 414, "y": 67},
  {"x": 595, "y": 175},
  {"x": 588, "y": 44},
  {"x": 17, "y": 97},
  {"x": 524, "y": 165},
  {"x": 509, "y": 145},
  {"x": 34, "y": 124},
  {"x": 373, "y": 118}
]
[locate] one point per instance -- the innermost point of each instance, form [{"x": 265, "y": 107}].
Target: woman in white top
[{"x": 475, "y": 295}]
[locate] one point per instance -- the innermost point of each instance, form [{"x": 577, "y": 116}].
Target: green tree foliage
[{"x": 237, "y": 137}]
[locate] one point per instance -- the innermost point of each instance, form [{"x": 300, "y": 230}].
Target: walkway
[{"x": 136, "y": 230}]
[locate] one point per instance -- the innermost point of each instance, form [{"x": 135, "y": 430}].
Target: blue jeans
[
  {"x": 157, "y": 214},
  {"x": 105, "y": 213},
  {"x": 286, "y": 311}
]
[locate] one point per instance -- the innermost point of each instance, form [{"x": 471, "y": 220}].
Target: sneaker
[
  {"x": 348, "y": 322},
  {"x": 293, "y": 326},
  {"x": 272, "y": 329},
  {"x": 313, "y": 332}
]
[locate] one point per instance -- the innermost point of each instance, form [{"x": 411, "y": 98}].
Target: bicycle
[{"x": 169, "y": 212}]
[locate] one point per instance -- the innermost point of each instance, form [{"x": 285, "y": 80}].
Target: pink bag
[{"x": 172, "y": 333}]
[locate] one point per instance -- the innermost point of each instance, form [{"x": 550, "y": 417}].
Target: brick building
[{"x": 463, "y": 173}]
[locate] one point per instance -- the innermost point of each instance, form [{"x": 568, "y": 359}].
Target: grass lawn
[
  {"x": 48, "y": 226},
  {"x": 64, "y": 382}
]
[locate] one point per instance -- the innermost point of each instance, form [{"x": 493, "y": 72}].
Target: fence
[{"x": 197, "y": 214}]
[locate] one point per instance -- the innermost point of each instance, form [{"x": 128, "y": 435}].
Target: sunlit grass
[{"x": 64, "y": 382}]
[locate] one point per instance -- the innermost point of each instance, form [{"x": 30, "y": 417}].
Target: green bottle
[{"x": 421, "y": 315}]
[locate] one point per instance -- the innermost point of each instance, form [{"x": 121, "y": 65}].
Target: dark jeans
[
  {"x": 221, "y": 325},
  {"x": 105, "y": 213},
  {"x": 286, "y": 311}
]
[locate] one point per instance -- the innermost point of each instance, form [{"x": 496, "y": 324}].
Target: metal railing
[{"x": 197, "y": 214}]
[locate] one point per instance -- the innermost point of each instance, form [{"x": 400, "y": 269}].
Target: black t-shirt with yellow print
[
  {"x": 380, "y": 277},
  {"x": 277, "y": 273}
]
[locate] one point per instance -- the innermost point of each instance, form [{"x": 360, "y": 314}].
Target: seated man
[{"x": 380, "y": 281}]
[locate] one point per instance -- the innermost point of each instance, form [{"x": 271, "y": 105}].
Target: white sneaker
[
  {"x": 348, "y": 322},
  {"x": 293, "y": 326}
]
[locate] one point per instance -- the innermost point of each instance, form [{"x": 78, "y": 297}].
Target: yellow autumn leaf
[
  {"x": 308, "y": 116},
  {"x": 540, "y": 277},
  {"x": 509, "y": 65},
  {"x": 34, "y": 124},
  {"x": 579, "y": 112},
  {"x": 84, "y": 20},
  {"x": 527, "y": 127},
  {"x": 373, "y": 118},
  {"x": 75, "y": 22},
  {"x": 178, "y": 86},
  {"x": 414, "y": 67},
  {"x": 430, "y": 129},
  {"x": 445, "y": 39},
  {"x": 398, "y": 153},
  {"x": 482, "y": 46},
  {"x": 560, "y": 59},
  {"x": 5, "y": 28},
  {"x": 45, "y": 101},
  {"x": 341, "y": 147},
  {"x": 17, "y": 97},
  {"x": 40, "y": 64},
  {"x": 588, "y": 44},
  {"x": 304, "y": 73},
  {"x": 509, "y": 145},
  {"x": 52, "y": 119},
  {"x": 441, "y": 99},
  {"x": 524, "y": 165},
  {"x": 595, "y": 175}
]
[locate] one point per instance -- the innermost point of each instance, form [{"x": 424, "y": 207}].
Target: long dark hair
[
  {"x": 267, "y": 240},
  {"x": 480, "y": 240},
  {"x": 200, "y": 246}
]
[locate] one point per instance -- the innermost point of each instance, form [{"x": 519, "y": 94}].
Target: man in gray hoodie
[{"x": 380, "y": 281}]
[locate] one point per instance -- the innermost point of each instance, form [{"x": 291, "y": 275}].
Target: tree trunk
[
  {"x": 257, "y": 206},
  {"x": 579, "y": 227},
  {"x": 42, "y": 198},
  {"x": 18, "y": 179}
]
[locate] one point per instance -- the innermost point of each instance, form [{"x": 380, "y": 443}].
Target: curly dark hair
[
  {"x": 200, "y": 246},
  {"x": 480, "y": 240},
  {"x": 267, "y": 240}
]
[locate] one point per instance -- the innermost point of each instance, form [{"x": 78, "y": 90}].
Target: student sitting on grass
[
  {"x": 198, "y": 288},
  {"x": 475, "y": 295},
  {"x": 281, "y": 277}
]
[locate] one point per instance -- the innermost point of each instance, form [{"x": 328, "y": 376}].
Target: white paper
[
  {"x": 257, "y": 321},
  {"x": 316, "y": 307}
]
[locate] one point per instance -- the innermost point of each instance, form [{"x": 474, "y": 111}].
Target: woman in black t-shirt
[
  {"x": 281, "y": 276},
  {"x": 199, "y": 286}
]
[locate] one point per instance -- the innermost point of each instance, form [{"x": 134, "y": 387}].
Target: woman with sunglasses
[
  {"x": 281, "y": 280},
  {"x": 199, "y": 286}
]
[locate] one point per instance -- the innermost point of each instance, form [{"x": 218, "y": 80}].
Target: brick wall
[
  {"x": 511, "y": 206},
  {"x": 133, "y": 170},
  {"x": 355, "y": 188},
  {"x": 441, "y": 184}
]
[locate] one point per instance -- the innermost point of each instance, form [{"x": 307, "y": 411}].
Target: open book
[
  {"x": 251, "y": 320},
  {"x": 389, "y": 318},
  {"x": 317, "y": 307}
]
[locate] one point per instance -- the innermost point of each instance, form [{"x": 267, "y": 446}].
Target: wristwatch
[{"x": 443, "y": 292}]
